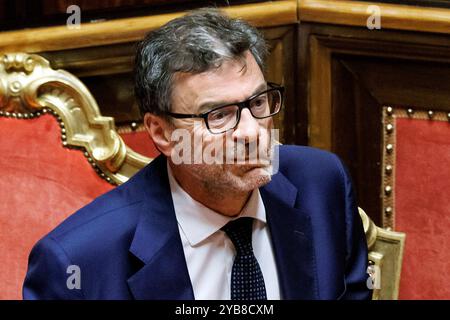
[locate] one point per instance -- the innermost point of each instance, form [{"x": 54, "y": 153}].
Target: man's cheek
[
  {"x": 264, "y": 144},
  {"x": 213, "y": 150}
]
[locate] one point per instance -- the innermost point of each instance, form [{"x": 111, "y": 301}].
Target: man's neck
[{"x": 227, "y": 203}]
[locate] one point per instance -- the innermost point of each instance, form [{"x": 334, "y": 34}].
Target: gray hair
[{"x": 194, "y": 43}]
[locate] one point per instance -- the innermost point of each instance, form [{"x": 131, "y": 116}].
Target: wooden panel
[
  {"x": 413, "y": 83},
  {"x": 282, "y": 69},
  {"x": 356, "y": 122},
  {"x": 423, "y": 3},
  {"x": 393, "y": 16},
  {"x": 348, "y": 74},
  {"x": 320, "y": 84},
  {"x": 267, "y": 14}
]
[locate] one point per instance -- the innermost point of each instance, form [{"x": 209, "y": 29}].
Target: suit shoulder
[
  {"x": 104, "y": 211},
  {"x": 311, "y": 166},
  {"x": 291, "y": 155}
]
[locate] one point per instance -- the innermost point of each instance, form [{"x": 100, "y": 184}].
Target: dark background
[{"x": 18, "y": 14}]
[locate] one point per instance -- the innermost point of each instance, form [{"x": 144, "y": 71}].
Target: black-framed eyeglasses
[{"x": 221, "y": 119}]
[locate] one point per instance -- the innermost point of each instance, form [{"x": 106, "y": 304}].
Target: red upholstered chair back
[
  {"x": 41, "y": 184},
  {"x": 57, "y": 154},
  {"x": 416, "y": 195}
]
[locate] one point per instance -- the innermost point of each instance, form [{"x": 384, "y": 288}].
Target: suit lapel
[
  {"x": 291, "y": 235},
  {"x": 157, "y": 243}
]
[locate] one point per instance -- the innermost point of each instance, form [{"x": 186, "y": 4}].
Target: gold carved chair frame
[{"x": 29, "y": 87}]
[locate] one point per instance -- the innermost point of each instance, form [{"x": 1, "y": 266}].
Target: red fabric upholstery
[
  {"x": 140, "y": 142},
  {"x": 41, "y": 184},
  {"x": 422, "y": 206}
]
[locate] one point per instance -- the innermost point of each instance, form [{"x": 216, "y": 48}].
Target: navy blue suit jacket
[{"x": 127, "y": 245}]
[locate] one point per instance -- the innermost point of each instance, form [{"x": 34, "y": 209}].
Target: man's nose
[{"x": 247, "y": 128}]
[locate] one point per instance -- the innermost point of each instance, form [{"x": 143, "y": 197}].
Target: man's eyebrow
[
  {"x": 209, "y": 105},
  {"x": 262, "y": 87}
]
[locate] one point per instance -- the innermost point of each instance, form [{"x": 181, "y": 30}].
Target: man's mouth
[
  {"x": 246, "y": 167},
  {"x": 253, "y": 161}
]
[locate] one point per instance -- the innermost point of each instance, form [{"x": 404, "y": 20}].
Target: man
[{"x": 235, "y": 221}]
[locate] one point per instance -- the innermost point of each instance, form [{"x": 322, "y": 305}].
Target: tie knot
[{"x": 240, "y": 233}]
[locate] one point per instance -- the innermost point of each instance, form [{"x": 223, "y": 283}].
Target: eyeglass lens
[{"x": 261, "y": 106}]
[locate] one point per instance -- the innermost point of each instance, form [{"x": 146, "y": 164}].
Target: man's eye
[
  {"x": 259, "y": 102},
  {"x": 219, "y": 115}
]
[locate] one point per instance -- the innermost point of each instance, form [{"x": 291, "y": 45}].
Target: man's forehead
[
  {"x": 229, "y": 71},
  {"x": 233, "y": 81},
  {"x": 226, "y": 68}
]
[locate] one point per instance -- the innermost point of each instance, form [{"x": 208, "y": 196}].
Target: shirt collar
[{"x": 198, "y": 222}]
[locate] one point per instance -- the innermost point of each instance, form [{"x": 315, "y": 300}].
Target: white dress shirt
[{"x": 210, "y": 253}]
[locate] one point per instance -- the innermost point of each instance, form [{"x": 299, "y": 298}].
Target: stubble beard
[{"x": 221, "y": 181}]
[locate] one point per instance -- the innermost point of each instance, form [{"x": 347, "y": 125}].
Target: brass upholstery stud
[
  {"x": 389, "y": 128},
  {"x": 389, "y": 148},
  {"x": 430, "y": 114},
  {"x": 448, "y": 116},
  {"x": 389, "y": 111},
  {"x": 410, "y": 112},
  {"x": 388, "y": 190},
  {"x": 388, "y": 210},
  {"x": 134, "y": 126},
  {"x": 388, "y": 169}
]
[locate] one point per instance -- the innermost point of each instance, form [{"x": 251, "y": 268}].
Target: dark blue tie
[{"x": 247, "y": 281}]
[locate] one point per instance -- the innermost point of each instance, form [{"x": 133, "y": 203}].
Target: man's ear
[{"x": 160, "y": 132}]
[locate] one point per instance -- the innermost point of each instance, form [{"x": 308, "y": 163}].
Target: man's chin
[
  {"x": 247, "y": 167},
  {"x": 255, "y": 177}
]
